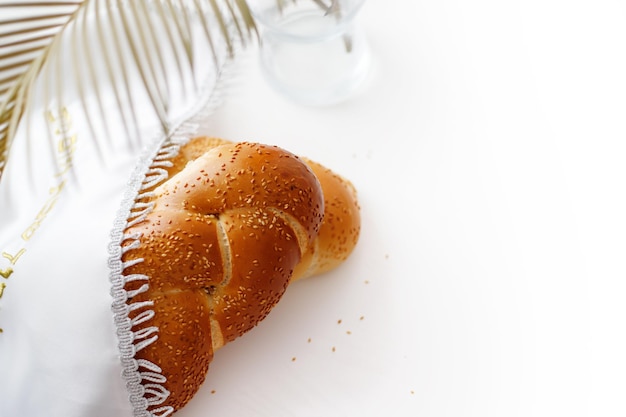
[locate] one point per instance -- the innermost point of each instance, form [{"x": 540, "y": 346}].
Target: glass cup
[{"x": 312, "y": 51}]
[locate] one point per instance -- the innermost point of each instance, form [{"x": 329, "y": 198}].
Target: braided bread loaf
[{"x": 230, "y": 229}]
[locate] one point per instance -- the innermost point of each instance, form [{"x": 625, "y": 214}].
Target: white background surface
[{"x": 488, "y": 151}]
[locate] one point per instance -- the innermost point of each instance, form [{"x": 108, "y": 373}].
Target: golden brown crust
[
  {"x": 192, "y": 150},
  {"x": 226, "y": 233},
  {"x": 184, "y": 348},
  {"x": 340, "y": 228}
]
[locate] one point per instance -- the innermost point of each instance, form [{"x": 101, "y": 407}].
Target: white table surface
[{"x": 488, "y": 152}]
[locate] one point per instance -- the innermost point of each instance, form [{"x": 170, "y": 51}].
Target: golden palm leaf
[{"x": 140, "y": 37}]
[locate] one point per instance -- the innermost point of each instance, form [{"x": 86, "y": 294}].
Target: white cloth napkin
[{"x": 59, "y": 346}]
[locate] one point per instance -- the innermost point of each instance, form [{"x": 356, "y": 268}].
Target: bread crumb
[
  {"x": 339, "y": 321},
  {"x": 293, "y": 359},
  {"x": 361, "y": 318},
  {"x": 412, "y": 392},
  {"x": 333, "y": 348},
  {"x": 212, "y": 391},
  {"x": 367, "y": 281},
  {"x": 309, "y": 341}
]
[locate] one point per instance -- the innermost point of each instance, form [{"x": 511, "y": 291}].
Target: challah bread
[
  {"x": 341, "y": 225},
  {"x": 221, "y": 244}
]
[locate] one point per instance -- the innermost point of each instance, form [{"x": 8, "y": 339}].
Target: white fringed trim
[{"x": 144, "y": 379}]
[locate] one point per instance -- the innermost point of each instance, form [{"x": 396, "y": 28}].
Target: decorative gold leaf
[{"x": 133, "y": 37}]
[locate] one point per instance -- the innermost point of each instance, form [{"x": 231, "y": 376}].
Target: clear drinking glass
[{"x": 313, "y": 51}]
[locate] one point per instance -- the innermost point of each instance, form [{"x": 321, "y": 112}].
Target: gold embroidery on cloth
[
  {"x": 6, "y": 273},
  {"x": 13, "y": 258},
  {"x": 66, "y": 146}
]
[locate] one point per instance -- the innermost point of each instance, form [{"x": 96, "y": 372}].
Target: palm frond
[
  {"x": 26, "y": 39},
  {"x": 108, "y": 44}
]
